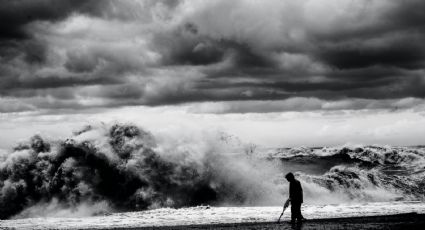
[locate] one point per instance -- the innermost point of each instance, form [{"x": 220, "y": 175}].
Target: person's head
[{"x": 290, "y": 177}]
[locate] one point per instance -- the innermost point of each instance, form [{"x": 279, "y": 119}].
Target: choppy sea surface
[{"x": 357, "y": 173}]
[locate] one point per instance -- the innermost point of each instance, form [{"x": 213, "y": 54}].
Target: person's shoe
[{"x": 291, "y": 222}]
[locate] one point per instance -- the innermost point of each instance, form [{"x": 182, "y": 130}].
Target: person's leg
[
  {"x": 297, "y": 210},
  {"x": 301, "y": 215},
  {"x": 293, "y": 212}
]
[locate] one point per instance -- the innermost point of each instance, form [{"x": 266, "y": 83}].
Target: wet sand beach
[
  {"x": 400, "y": 221},
  {"x": 383, "y": 215}
]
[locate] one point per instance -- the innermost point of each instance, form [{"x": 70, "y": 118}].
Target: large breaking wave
[{"x": 125, "y": 168}]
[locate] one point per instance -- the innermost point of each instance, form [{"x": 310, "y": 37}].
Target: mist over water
[{"x": 122, "y": 167}]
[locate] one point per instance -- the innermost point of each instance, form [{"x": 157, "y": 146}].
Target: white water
[{"x": 212, "y": 215}]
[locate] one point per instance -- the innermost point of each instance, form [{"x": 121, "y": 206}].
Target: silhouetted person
[{"x": 295, "y": 197}]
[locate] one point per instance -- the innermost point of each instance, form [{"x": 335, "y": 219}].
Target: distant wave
[
  {"x": 376, "y": 155},
  {"x": 366, "y": 173}
]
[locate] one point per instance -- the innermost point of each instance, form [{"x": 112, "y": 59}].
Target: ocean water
[
  {"x": 126, "y": 169},
  {"x": 358, "y": 173}
]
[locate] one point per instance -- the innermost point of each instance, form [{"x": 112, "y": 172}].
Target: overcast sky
[{"x": 219, "y": 58}]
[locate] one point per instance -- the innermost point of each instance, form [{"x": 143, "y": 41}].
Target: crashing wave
[
  {"x": 368, "y": 185},
  {"x": 122, "y": 166},
  {"x": 361, "y": 173}
]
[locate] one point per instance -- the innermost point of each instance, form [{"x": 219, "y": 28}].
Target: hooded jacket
[{"x": 295, "y": 191}]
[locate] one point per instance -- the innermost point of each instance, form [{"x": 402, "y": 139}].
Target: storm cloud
[{"x": 78, "y": 54}]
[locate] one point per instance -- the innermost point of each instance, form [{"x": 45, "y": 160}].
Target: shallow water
[{"x": 213, "y": 215}]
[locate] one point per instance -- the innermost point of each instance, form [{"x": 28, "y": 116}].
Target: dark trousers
[{"x": 296, "y": 211}]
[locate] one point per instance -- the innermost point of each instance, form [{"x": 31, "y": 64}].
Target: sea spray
[{"x": 125, "y": 168}]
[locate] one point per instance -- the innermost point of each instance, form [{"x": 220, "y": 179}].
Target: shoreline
[
  {"x": 358, "y": 216},
  {"x": 397, "y": 221}
]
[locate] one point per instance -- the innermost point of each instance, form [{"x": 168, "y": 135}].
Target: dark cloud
[
  {"x": 408, "y": 15},
  {"x": 16, "y": 14},
  {"x": 184, "y": 48},
  {"x": 172, "y": 52},
  {"x": 403, "y": 54},
  {"x": 9, "y": 85},
  {"x": 304, "y": 104}
]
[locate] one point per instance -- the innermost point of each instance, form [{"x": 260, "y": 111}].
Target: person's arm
[
  {"x": 301, "y": 193},
  {"x": 291, "y": 191},
  {"x": 289, "y": 198},
  {"x": 287, "y": 203}
]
